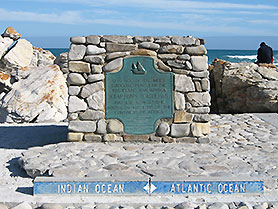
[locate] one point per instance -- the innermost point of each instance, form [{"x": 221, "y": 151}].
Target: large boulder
[
  {"x": 42, "y": 57},
  {"x": 243, "y": 87},
  {"x": 40, "y": 96}
]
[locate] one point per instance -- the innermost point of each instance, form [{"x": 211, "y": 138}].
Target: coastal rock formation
[
  {"x": 243, "y": 87},
  {"x": 32, "y": 89}
]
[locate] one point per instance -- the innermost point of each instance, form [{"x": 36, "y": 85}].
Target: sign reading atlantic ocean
[{"x": 139, "y": 95}]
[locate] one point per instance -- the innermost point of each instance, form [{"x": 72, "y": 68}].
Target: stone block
[
  {"x": 163, "y": 129},
  {"x": 113, "y": 47},
  {"x": 155, "y": 139},
  {"x": 76, "y": 104},
  {"x": 163, "y": 67},
  {"x": 185, "y": 41},
  {"x": 188, "y": 65},
  {"x": 73, "y": 116},
  {"x": 90, "y": 89},
  {"x": 115, "y": 55},
  {"x": 136, "y": 138},
  {"x": 101, "y": 127},
  {"x": 179, "y": 101},
  {"x": 95, "y": 78},
  {"x": 10, "y": 32},
  {"x": 115, "y": 126},
  {"x": 186, "y": 140},
  {"x": 180, "y": 130},
  {"x": 78, "y": 40},
  {"x": 205, "y": 84},
  {"x": 167, "y": 56},
  {"x": 139, "y": 39},
  {"x": 117, "y": 39},
  {"x": 199, "y": 110},
  {"x": 143, "y": 52},
  {"x": 96, "y": 68},
  {"x": 112, "y": 138},
  {"x": 92, "y": 115},
  {"x": 76, "y": 79},
  {"x": 201, "y": 118},
  {"x": 79, "y": 67},
  {"x": 203, "y": 140},
  {"x": 183, "y": 83},
  {"x": 184, "y": 57},
  {"x": 93, "y": 39},
  {"x": 198, "y": 86},
  {"x": 196, "y": 50},
  {"x": 175, "y": 49},
  {"x": 168, "y": 140},
  {"x": 162, "y": 40},
  {"x": 94, "y": 59},
  {"x": 5, "y": 43},
  {"x": 200, "y": 129},
  {"x": 82, "y": 126},
  {"x": 198, "y": 99},
  {"x": 180, "y": 64},
  {"x": 182, "y": 117},
  {"x": 75, "y": 137},
  {"x": 199, "y": 63},
  {"x": 113, "y": 65},
  {"x": 96, "y": 100},
  {"x": 149, "y": 45},
  {"x": 92, "y": 137},
  {"x": 77, "y": 52},
  {"x": 203, "y": 74},
  {"x": 74, "y": 90},
  {"x": 94, "y": 50}
]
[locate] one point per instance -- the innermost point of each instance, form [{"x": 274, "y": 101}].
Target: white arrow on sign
[{"x": 149, "y": 188}]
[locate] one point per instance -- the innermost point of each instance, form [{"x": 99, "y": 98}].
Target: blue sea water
[{"x": 228, "y": 55}]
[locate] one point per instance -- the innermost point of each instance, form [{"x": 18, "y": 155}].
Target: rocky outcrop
[
  {"x": 32, "y": 88},
  {"x": 243, "y": 87}
]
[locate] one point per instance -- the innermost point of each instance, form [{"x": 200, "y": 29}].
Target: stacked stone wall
[{"x": 92, "y": 56}]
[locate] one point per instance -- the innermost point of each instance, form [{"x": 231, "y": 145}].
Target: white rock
[
  {"x": 183, "y": 83},
  {"x": 97, "y": 100},
  {"x": 5, "y": 43},
  {"x": 76, "y": 104},
  {"x": 23, "y": 205},
  {"x": 92, "y": 49},
  {"x": 199, "y": 63}
]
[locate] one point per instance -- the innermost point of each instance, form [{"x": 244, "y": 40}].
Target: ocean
[{"x": 228, "y": 55}]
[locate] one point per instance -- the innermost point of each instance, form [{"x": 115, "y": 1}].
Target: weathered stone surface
[
  {"x": 199, "y": 63},
  {"x": 89, "y": 89},
  {"x": 196, "y": 50},
  {"x": 112, "y": 138},
  {"x": 188, "y": 65},
  {"x": 115, "y": 126},
  {"x": 186, "y": 140},
  {"x": 117, "y": 39},
  {"x": 199, "y": 110},
  {"x": 82, "y": 126},
  {"x": 92, "y": 137},
  {"x": 176, "y": 49},
  {"x": 95, "y": 78},
  {"x": 185, "y": 41},
  {"x": 75, "y": 137},
  {"x": 10, "y": 32},
  {"x": 198, "y": 99},
  {"x": 136, "y": 138},
  {"x": 115, "y": 55},
  {"x": 203, "y": 140},
  {"x": 96, "y": 100},
  {"x": 94, "y": 59},
  {"x": 2, "y": 206},
  {"x": 143, "y": 52},
  {"x": 94, "y": 50},
  {"x": 23, "y": 205},
  {"x": 42, "y": 57},
  {"x": 176, "y": 64},
  {"x": 184, "y": 57},
  {"x": 76, "y": 104},
  {"x": 61, "y": 60},
  {"x": 101, "y": 127},
  {"x": 162, "y": 40},
  {"x": 78, "y": 40},
  {"x": 77, "y": 52},
  {"x": 79, "y": 67},
  {"x": 113, "y": 65},
  {"x": 138, "y": 39},
  {"x": 76, "y": 79},
  {"x": 182, "y": 117},
  {"x": 41, "y": 96},
  {"x": 203, "y": 74},
  {"x": 51, "y": 206},
  {"x": 183, "y": 83},
  {"x": 163, "y": 129},
  {"x": 149, "y": 45},
  {"x": 5, "y": 43},
  {"x": 218, "y": 205},
  {"x": 92, "y": 115},
  {"x": 167, "y": 56},
  {"x": 113, "y": 47},
  {"x": 180, "y": 130},
  {"x": 200, "y": 129},
  {"x": 96, "y": 68},
  {"x": 205, "y": 84},
  {"x": 201, "y": 118},
  {"x": 163, "y": 67},
  {"x": 179, "y": 101},
  {"x": 74, "y": 90},
  {"x": 93, "y": 39}
]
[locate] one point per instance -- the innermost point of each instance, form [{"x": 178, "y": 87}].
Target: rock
[
  {"x": 186, "y": 205},
  {"x": 2, "y": 206},
  {"x": 199, "y": 63},
  {"x": 139, "y": 39},
  {"x": 94, "y": 50},
  {"x": 184, "y": 57},
  {"x": 163, "y": 129},
  {"x": 96, "y": 68},
  {"x": 201, "y": 118},
  {"x": 167, "y": 56},
  {"x": 93, "y": 138},
  {"x": 115, "y": 55},
  {"x": 200, "y": 129},
  {"x": 76, "y": 104},
  {"x": 203, "y": 140},
  {"x": 23, "y": 205},
  {"x": 5, "y": 43},
  {"x": 163, "y": 67},
  {"x": 113, "y": 47},
  {"x": 179, "y": 101},
  {"x": 244, "y": 87},
  {"x": 115, "y": 126},
  {"x": 95, "y": 78},
  {"x": 79, "y": 67},
  {"x": 176, "y": 64},
  {"x": 196, "y": 50},
  {"x": 77, "y": 52},
  {"x": 198, "y": 99},
  {"x": 112, "y": 138},
  {"x": 183, "y": 83},
  {"x": 92, "y": 115},
  {"x": 101, "y": 127},
  {"x": 185, "y": 41},
  {"x": 94, "y": 59},
  {"x": 78, "y": 40},
  {"x": 180, "y": 130},
  {"x": 74, "y": 90},
  {"x": 42, "y": 57},
  {"x": 62, "y": 61},
  {"x": 19, "y": 56},
  {"x": 136, "y": 138},
  {"x": 143, "y": 52},
  {"x": 199, "y": 110},
  {"x": 176, "y": 49},
  {"x": 162, "y": 40},
  {"x": 5, "y": 80},
  {"x": 41, "y": 96},
  {"x": 205, "y": 84},
  {"x": 117, "y": 39},
  {"x": 182, "y": 117},
  {"x": 10, "y": 32},
  {"x": 218, "y": 205},
  {"x": 113, "y": 65},
  {"x": 75, "y": 137},
  {"x": 82, "y": 126},
  {"x": 76, "y": 79},
  {"x": 149, "y": 45},
  {"x": 96, "y": 100},
  {"x": 90, "y": 89},
  {"x": 93, "y": 39}
]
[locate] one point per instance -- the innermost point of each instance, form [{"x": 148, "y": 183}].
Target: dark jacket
[{"x": 265, "y": 54}]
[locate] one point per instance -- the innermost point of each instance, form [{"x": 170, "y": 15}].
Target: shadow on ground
[{"x": 24, "y": 137}]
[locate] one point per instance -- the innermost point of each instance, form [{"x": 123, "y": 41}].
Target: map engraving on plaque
[{"x": 139, "y": 95}]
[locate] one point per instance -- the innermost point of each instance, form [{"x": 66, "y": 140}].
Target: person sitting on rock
[{"x": 265, "y": 54}]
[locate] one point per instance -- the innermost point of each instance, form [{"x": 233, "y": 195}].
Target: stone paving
[{"x": 242, "y": 147}]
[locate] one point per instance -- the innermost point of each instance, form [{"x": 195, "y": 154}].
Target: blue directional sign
[{"x": 48, "y": 186}]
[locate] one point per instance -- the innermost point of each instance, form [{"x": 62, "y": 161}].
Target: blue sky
[{"x": 224, "y": 24}]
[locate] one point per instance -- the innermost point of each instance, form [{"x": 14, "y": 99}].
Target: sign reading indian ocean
[{"x": 138, "y": 95}]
